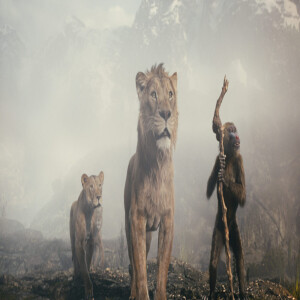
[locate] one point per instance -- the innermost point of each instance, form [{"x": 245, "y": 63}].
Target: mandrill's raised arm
[
  {"x": 212, "y": 179},
  {"x": 237, "y": 186}
]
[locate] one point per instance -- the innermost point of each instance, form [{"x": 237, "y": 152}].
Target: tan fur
[
  {"x": 85, "y": 229},
  {"x": 149, "y": 188}
]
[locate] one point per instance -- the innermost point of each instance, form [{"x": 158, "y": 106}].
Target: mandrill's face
[
  {"x": 231, "y": 139},
  {"x": 158, "y": 108}
]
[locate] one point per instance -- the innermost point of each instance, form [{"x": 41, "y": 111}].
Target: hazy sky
[
  {"x": 36, "y": 20},
  {"x": 44, "y": 138},
  {"x": 70, "y": 106}
]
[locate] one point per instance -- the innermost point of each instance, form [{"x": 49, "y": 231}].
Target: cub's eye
[
  {"x": 153, "y": 95},
  {"x": 170, "y": 95},
  {"x": 100, "y": 184},
  {"x": 91, "y": 186}
]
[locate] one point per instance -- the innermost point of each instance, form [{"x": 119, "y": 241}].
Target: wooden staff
[{"x": 218, "y": 129}]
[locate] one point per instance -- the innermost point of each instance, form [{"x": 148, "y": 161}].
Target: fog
[{"x": 69, "y": 104}]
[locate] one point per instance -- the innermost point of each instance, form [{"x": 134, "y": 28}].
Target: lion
[
  {"x": 149, "y": 187},
  {"x": 85, "y": 229}
]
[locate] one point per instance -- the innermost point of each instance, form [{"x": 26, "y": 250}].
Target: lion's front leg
[
  {"x": 165, "y": 242},
  {"x": 81, "y": 254},
  {"x": 89, "y": 252},
  {"x": 130, "y": 267},
  {"x": 138, "y": 240}
]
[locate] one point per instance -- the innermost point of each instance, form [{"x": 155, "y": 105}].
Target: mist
[{"x": 69, "y": 106}]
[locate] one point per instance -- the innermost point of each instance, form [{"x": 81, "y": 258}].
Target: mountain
[
  {"x": 12, "y": 55},
  {"x": 198, "y": 30},
  {"x": 12, "y": 49}
]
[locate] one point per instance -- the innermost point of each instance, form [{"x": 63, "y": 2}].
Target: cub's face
[
  {"x": 92, "y": 187},
  {"x": 158, "y": 107}
]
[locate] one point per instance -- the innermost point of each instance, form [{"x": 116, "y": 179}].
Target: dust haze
[{"x": 69, "y": 106}]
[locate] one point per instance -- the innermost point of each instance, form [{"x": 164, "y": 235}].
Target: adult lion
[
  {"x": 85, "y": 229},
  {"x": 149, "y": 188}
]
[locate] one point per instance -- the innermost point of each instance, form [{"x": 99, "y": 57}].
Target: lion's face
[
  {"x": 92, "y": 187},
  {"x": 158, "y": 106}
]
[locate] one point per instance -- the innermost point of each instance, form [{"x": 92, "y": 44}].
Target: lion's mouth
[
  {"x": 165, "y": 133},
  {"x": 98, "y": 205}
]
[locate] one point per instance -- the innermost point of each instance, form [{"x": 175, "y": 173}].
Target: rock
[
  {"x": 25, "y": 251},
  {"x": 8, "y": 227}
]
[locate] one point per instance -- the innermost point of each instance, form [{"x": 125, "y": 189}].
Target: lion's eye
[
  {"x": 170, "y": 95},
  {"x": 153, "y": 95}
]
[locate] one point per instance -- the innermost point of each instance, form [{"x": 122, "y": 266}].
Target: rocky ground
[
  {"x": 32, "y": 267},
  {"x": 184, "y": 282}
]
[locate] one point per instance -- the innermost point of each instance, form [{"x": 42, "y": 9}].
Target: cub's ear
[
  {"x": 141, "y": 81},
  {"x": 84, "y": 179},
  {"x": 174, "y": 79},
  {"x": 101, "y": 176}
]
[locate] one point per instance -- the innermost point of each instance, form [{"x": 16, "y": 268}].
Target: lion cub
[{"x": 85, "y": 229}]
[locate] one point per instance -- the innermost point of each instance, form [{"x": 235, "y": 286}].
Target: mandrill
[{"x": 228, "y": 169}]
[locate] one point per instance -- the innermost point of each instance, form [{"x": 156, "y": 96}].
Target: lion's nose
[
  {"x": 98, "y": 197},
  {"x": 165, "y": 114}
]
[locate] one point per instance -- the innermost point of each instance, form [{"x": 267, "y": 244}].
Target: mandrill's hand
[
  {"x": 222, "y": 158},
  {"x": 221, "y": 175},
  {"x": 225, "y": 85},
  {"x": 221, "y": 172}
]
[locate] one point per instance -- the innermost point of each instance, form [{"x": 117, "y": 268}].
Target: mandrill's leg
[
  {"x": 216, "y": 247},
  {"x": 148, "y": 242},
  {"x": 236, "y": 245},
  {"x": 138, "y": 240},
  {"x": 165, "y": 242}
]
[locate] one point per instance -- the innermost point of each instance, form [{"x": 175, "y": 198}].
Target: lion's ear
[
  {"x": 84, "y": 179},
  {"x": 174, "y": 79},
  {"x": 101, "y": 176},
  {"x": 141, "y": 81}
]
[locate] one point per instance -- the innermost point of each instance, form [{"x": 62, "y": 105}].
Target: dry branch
[{"x": 218, "y": 130}]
